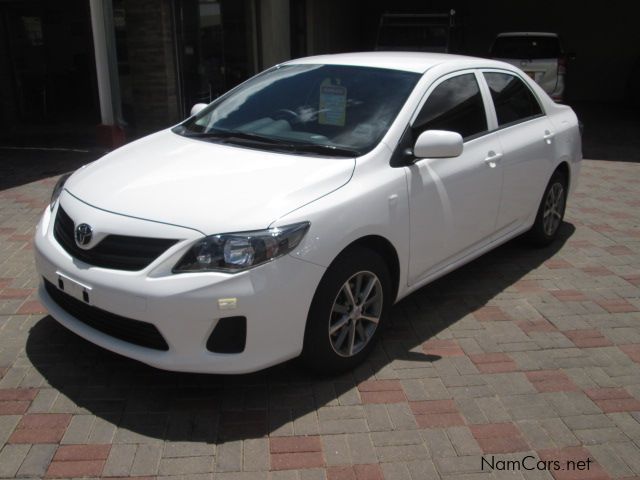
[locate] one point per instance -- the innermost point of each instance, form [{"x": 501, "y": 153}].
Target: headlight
[
  {"x": 57, "y": 190},
  {"x": 233, "y": 252}
]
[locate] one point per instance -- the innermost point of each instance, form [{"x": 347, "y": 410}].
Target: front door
[{"x": 453, "y": 201}]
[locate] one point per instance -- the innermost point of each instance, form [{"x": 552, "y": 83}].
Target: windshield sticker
[{"x": 333, "y": 104}]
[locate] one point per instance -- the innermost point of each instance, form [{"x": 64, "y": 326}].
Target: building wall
[{"x": 152, "y": 64}]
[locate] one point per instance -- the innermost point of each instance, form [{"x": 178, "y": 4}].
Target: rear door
[{"x": 527, "y": 137}]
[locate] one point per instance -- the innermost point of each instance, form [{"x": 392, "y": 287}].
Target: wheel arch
[
  {"x": 563, "y": 167},
  {"x": 386, "y": 250}
]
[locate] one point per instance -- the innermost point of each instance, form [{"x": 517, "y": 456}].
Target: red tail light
[{"x": 562, "y": 65}]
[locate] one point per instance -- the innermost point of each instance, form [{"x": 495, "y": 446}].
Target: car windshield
[
  {"x": 526, "y": 47},
  {"x": 332, "y": 110}
]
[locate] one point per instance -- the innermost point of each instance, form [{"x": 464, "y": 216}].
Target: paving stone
[
  {"x": 559, "y": 433},
  {"x": 377, "y": 418},
  {"x": 146, "y": 460},
  {"x": 463, "y": 441},
  {"x": 255, "y": 454},
  {"x": 37, "y": 460},
  {"x": 396, "y": 471},
  {"x": 78, "y": 430},
  {"x": 336, "y": 450},
  {"x": 185, "y": 465},
  {"x": 438, "y": 443},
  {"x": 594, "y": 436},
  {"x": 11, "y": 457},
  {"x": 607, "y": 457},
  {"x": 7, "y": 425},
  {"x": 120, "y": 460},
  {"x": 361, "y": 449},
  {"x": 401, "y": 453},
  {"x": 535, "y": 435}
]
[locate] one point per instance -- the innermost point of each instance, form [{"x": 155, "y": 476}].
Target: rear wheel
[
  {"x": 347, "y": 312},
  {"x": 550, "y": 212}
]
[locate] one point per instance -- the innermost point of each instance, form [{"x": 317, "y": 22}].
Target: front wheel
[
  {"x": 550, "y": 212},
  {"x": 347, "y": 312}
]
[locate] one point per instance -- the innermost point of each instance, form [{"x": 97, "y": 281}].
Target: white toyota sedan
[{"x": 288, "y": 216}]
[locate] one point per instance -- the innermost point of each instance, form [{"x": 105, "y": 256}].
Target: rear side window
[
  {"x": 526, "y": 47},
  {"x": 513, "y": 100},
  {"x": 454, "y": 105}
]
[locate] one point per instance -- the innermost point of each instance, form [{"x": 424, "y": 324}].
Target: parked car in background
[
  {"x": 289, "y": 215},
  {"x": 538, "y": 54}
]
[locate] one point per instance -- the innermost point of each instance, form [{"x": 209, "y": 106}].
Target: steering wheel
[{"x": 286, "y": 114}]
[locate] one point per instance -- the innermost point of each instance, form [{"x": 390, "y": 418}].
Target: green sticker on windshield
[{"x": 333, "y": 104}]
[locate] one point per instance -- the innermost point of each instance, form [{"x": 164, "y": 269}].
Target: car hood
[{"x": 205, "y": 186}]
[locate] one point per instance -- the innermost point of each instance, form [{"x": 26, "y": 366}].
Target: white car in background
[
  {"x": 288, "y": 216},
  {"x": 538, "y": 54}
]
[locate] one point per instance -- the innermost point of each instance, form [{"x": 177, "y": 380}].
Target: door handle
[
  {"x": 548, "y": 136},
  {"x": 493, "y": 159}
]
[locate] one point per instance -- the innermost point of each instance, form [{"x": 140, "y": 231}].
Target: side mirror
[
  {"x": 438, "y": 144},
  {"x": 197, "y": 107}
]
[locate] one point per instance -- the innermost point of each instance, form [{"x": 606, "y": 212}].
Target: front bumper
[{"x": 274, "y": 298}]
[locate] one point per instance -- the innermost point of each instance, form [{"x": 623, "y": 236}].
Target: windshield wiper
[
  {"x": 331, "y": 150},
  {"x": 230, "y": 135}
]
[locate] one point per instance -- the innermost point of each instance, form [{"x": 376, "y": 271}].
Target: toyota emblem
[{"x": 84, "y": 233}]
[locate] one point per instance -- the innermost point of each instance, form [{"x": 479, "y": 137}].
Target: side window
[
  {"x": 512, "y": 98},
  {"x": 455, "y": 105}
]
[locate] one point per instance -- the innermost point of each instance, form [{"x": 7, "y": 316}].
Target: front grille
[
  {"x": 122, "y": 328},
  {"x": 118, "y": 252}
]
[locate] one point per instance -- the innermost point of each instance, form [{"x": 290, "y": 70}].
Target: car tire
[
  {"x": 550, "y": 212},
  {"x": 340, "y": 333}
]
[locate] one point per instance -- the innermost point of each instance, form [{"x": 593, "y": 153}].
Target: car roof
[
  {"x": 527, "y": 34},
  {"x": 418, "y": 62}
]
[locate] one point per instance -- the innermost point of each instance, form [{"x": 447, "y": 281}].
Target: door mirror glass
[
  {"x": 438, "y": 144},
  {"x": 197, "y": 107}
]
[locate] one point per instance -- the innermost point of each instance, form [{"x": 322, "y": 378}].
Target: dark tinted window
[
  {"x": 528, "y": 47},
  {"x": 512, "y": 98},
  {"x": 455, "y": 105}
]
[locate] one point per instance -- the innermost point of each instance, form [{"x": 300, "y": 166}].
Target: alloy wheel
[
  {"x": 553, "y": 209},
  {"x": 355, "y": 313}
]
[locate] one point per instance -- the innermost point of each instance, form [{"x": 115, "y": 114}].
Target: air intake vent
[
  {"x": 229, "y": 336},
  {"x": 127, "y": 329}
]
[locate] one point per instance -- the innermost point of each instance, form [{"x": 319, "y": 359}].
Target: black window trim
[
  {"x": 436, "y": 83},
  {"x": 499, "y": 127}
]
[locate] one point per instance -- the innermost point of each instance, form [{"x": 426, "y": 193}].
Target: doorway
[
  {"x": 215, "y": 48},
  {"x": 48, "y": 77}
]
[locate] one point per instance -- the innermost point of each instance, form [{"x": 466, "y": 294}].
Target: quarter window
[
  {"x": 513, "y": 100},
  {"x": 455, "y": 105}
]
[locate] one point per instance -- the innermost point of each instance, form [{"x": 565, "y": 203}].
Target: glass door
[{"x": 213, "y": 48}]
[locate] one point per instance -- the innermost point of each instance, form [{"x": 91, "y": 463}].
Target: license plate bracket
[{"x": 76, "y": 289}]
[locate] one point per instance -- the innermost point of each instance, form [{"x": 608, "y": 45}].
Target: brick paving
[{"x": 523, "y": 353}]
